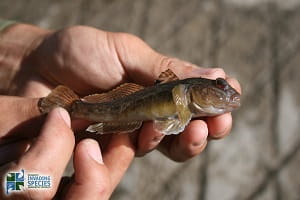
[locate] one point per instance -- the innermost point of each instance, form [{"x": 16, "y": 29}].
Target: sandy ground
[{"x": 256, "y": 41}]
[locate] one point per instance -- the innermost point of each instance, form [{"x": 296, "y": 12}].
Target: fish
[{"x": 170, "y": 103}]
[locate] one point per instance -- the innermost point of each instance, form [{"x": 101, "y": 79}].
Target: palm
[{"x": 81, "y": 59}]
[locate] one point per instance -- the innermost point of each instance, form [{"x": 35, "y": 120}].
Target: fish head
[{"x": 215, "y": 97}]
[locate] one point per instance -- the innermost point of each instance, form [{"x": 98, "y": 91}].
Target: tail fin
[{"x": 61, "y": 96}]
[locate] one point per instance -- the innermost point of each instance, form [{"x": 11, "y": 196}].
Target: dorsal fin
[
  {"x": 166, "y": 76},
  {"x": 123, "y": 90}
]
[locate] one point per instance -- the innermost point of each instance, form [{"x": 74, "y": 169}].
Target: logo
[
  {"x": 18, "y": 181},
  {"x": 15, "y": 181}
]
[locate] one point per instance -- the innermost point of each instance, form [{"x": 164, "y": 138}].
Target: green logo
[{"x": 15, "y": 181}]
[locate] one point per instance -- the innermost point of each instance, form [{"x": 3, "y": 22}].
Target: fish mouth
[
  {"x": 207, "y": 110},
  {"x": 235, "y": 101}
]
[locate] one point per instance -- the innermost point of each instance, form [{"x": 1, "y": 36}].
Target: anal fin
[{"x": 114, "y": 127}]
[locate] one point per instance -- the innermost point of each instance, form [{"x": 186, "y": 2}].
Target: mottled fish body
[{"x": 171, "y": 103}]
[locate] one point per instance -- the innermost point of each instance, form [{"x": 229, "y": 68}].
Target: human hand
[
  {"x": 95, "y": 175},
  {"x": 89, "y": 60}
]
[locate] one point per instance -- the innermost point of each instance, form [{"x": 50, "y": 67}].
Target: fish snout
[{"x": 235, "y": 101}]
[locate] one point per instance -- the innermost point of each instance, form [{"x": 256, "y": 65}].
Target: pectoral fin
[
  {"x": 176, "y": 124},
  {"x": 114, "y": 127},
  {"x": 181, "y": 101},
  {"x": 169, "y": 126}
]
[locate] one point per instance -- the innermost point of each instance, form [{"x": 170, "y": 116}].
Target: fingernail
[
  {"x": 199, "y": 143},
  {"x": 65, "y": 116},
  {"x": 219, "y": 134},
  {"x": 93, "y": 150},
  {"x": 225, "y": 131}
]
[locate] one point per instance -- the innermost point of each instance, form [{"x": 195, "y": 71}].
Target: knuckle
[
  {"x": 182, "y": 154},
  {"x": 192, "y": 150},
  {"x": 220, "y": 135},
  {"x": 128, "y": 37},
  {"x": 103, "y": 189},
  {"x": 74, "y": 29},
  {"x": 214, "y": 73},
  {"x": 167, "y": 63},
  {"x": 219, "y": 72}
]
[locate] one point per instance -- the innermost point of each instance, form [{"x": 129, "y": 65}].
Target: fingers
[
  {"x": 186, "y": 145},
  {"x": 219, "y": 126},
  {"x": 143, "y": 65},
  {"x": 97, "y": 176},
  {"x": 184, "y": 69},
  {"x": 148, "y": 139},
  {"x": 13, "y": 151},
  {"x": 21, "y": 117},
  {"x": 234, "y": 83},
  {"x": 190, "y": 143},
  {"x": 118, "y": 156},
  {"x": 50, "y": 153},
  {"x": 177, "y": 147},
  {"x": 92, "y": 178}
]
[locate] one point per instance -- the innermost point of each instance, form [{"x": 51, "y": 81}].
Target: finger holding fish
[
  {"x": 137, "y": 62},
  {"x": 186, "y": 145},
  {"x": 216, "y": 127},
  {"x": 148, "y": 139},
  {"x": 220, "y": 126},
  {"x": 184, "y": 69}
]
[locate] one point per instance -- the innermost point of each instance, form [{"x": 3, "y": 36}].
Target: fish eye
[{"x": 221, "y": 83}]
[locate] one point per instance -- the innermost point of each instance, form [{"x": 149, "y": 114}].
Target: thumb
[
  {"x": 143, "y": 64},
  {"x": 92, "y": 179}
]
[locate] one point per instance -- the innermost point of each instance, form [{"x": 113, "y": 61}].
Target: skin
[
  {"x": 92, "y": 178},
  {"x": 89, "y": 60}
]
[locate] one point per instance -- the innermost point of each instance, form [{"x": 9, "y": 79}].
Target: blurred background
[{"x": 255, "y": 41}]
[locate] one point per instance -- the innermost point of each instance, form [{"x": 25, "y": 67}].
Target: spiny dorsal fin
[
  {"x": 123, "y": 90},
  {"x": 166, "y": 76},
  {"x": 61, "y": 96}
]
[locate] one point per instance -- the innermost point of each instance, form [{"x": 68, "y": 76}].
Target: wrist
[{"x": 17, "y": 41}]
